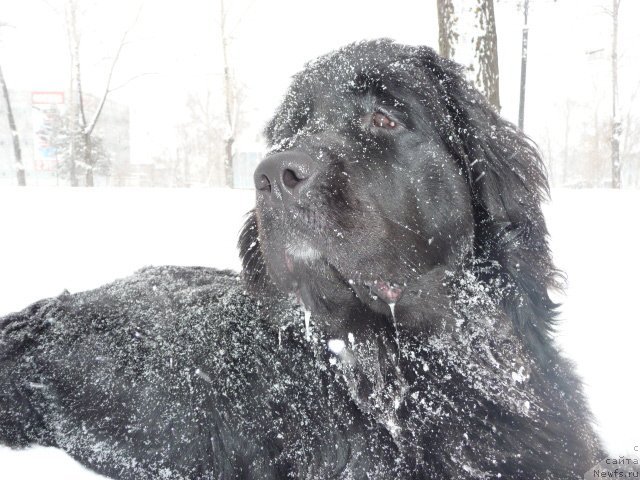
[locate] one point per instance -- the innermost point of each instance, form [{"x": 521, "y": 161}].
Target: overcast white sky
[{"x": 176, "y": 45}]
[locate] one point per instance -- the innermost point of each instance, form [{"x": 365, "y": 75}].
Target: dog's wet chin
[
  {"x": 306, "y": 273},
  {"x": 290, "y": 263},
  {"x": 296, "y": 253}
]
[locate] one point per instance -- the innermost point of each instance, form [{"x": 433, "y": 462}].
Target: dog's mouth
[
  {"x": 388, "y": 292},
  {"x": 322, "y": 268},
  {"x": 301, "y": 262}
]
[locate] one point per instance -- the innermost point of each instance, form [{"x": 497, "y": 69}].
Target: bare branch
[
  {"x": 50, "y": 5},
  {"x": 14, "y": 133},
  {"x": 231, "y": 31},
  {"x": 129, "y": 80},
  {"x": 616, "y": 125},
  {"x": 74, "y": 52},
  {"x": 89, "y": 128}
]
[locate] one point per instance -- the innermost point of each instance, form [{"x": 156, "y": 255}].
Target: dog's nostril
[
  {"x": 283, "y": 172},
  {"x": 290, "y": 179},
  {"x": 264, "y": 184}
]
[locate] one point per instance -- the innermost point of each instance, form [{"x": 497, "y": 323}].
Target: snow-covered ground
[{"x": 76, "y": 239}]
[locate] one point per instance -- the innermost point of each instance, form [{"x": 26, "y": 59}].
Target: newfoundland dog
[{"x": 391, "y": 321}]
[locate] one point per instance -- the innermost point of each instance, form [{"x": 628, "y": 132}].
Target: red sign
[{"x": 47, "y": 98}]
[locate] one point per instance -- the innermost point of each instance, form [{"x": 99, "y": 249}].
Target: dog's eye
[{"x": 379, "y": 119}]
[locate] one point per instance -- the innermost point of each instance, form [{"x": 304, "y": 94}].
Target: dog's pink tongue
[
  {"x": 386, "y": 292},
  {"x": 288, "y": 261}
]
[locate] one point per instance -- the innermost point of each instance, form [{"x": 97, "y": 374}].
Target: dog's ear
[
  {"x": 508, "y": 182},
  {"x": 254, "y": 268}
]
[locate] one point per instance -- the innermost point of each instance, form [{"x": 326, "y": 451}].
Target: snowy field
[{"x": 76, "y": 239}]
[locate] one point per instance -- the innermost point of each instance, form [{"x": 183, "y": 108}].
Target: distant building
[
  {"x": 244, "y": 164},
  {"x": 30, "y": 109},
  {"x": 192, "y": 165},
  {"x": 249, "y": 151}
]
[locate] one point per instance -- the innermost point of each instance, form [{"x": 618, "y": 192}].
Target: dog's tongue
[
  {"x": 288, "y": 261},
  {"x": 386, "y": 292}
]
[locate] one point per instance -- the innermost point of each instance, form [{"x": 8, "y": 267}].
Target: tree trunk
[
  {"x": 447, "y": 35},
  {"x": 88, "y": 159},
  {"x": 565, "y": 163},
  {"x": 75, "y": 107},
  {"x": 616, "y": 127},
  {"x": 523, "y": 64},
  {"x": 77, "y": 113},
  {"x": 22, "y": 181},
  {"x": 487, "y": 53},
  {"x": 228, "y": 162},
  {"x": 229, "y": 104},
  {"x": 186, "y": 170}
]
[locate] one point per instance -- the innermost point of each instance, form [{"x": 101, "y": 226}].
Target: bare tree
[
  {"x": 569, "y": 106},
  {"x": 15, "y": 138},
  {"x": 64, "y": 135},
  {"x": 523, "y": 64},
  {"x": 203, "y": 137},
  {"x": 486, "y": 51},
  {"x": 22, "y": 181},
  {"x": 592, "y": 150},
  {"x": 209, "y": 131},
  {"x": 616, "y": 125},
  {"x": 475, "y": 46},
  {"x": 447, "y": 35},
  {"x": 630, "y": 151},
  {"x": 230, "y": 96},
  {"x": 630, "y": 134},
  {"x": 81, "y": 146}
]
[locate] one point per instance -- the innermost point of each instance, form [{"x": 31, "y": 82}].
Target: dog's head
[{"x": 385, "y": 164}]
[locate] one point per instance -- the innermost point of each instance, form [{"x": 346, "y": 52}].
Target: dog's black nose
[{"x": 283, "y": 174}]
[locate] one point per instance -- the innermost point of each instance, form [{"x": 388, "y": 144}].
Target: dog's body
[
  {"x": 405, "y": 215},
  {"x": 176, "y": 373}
]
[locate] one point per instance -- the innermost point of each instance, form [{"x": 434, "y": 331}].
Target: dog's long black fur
[{"x": 417, "y": 244}]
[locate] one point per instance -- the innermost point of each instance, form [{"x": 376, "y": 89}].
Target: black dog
[{"x": 404, "y": 214}]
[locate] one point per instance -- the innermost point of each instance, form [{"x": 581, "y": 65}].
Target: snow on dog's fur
[{"x": 404, "y": 214}]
